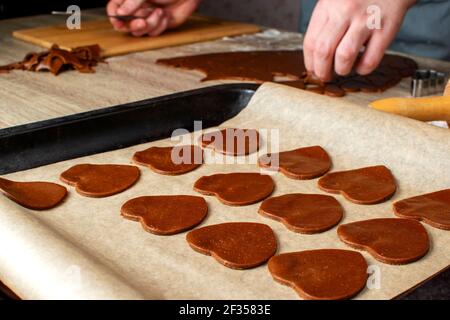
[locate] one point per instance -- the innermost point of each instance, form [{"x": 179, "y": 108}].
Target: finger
[
  {"x": 154, "y": 19},
  {"x": 129, "y": 7},
  {"x": 350, "y": 46},
  {"x": 180, "y": 11},
  {"x": 326, "y": 45},
  {"x": 138, "y": 27},
  {"x": 164, "y": 23},
  {"x": 111, "y": 9},
  {"x": 377, "y": 45},
  {"x": 144, "y": 11},
  {"x": 318, "y": 20}
]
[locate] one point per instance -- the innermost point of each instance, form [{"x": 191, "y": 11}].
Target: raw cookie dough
[
  {"x": 301, "y": 164},
  {"x": 266, "y": 66},
  {"x": 166, "y": 215},
  {"x": 303, "y": 213},
  {"x": 391, "y": 241},
  {"x": 34, "y": 195},
  {"x": 326, "y": 274},
  {"x": 56, "y": 60},
  {"x": 236, "y": 245},
  {"x": 232, "y": 141},
  {"x": 170, "y": 160},
  {"x": 100, "y": 180},
  {"x": 369, "y": 185},
  {"x": 236, "y": 189},
  {"x": 432, "y": 208}
]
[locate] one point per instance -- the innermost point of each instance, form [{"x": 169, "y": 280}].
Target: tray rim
[{"x": 115, "y": 109}]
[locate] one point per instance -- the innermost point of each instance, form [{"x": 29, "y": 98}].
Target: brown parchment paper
[{"x": 85, "y": 249}]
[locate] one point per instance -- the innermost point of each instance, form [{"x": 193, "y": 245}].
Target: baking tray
[
  {"x": 45, "y": 142},
  {"x": 41, "y": 143}
]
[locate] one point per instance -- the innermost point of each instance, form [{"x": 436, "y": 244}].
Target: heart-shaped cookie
[
  {"x": 392, "y": 241},
  {"x": 369, "y": 185},
  {"x": 100, "y": 180},
  {"x": 303, "y": 213},
  {"x": 432, "y": 208},
  {"x": 237, "y": 245},
  {"x": 300, "y": 164},
  {"x": 170, "y": 160},
  {"x": 166, "y": 215},
  {"x": 232, "y": 141},
  {"x": 34, "y": 195},
  {"x": 326, "y": 274},
  {"x": 236, "y": 189}
]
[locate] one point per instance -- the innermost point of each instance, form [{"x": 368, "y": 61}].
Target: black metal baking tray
[{"x": 37, "y": 144}]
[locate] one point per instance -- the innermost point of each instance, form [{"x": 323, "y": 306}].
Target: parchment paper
[{"x": 85, "y": 249}]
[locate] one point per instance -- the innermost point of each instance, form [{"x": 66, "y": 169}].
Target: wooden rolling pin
[{"x": 423, "y": 109}]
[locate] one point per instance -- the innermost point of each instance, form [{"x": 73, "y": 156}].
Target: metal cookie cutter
[{"x": 428, "y": 82}]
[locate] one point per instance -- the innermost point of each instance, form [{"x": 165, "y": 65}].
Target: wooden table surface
[{"x": 27, "y": 97}]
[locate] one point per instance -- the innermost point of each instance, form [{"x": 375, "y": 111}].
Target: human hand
[
  {"x": 159, "y": 15},
  {"x": 339, "y": 30}
]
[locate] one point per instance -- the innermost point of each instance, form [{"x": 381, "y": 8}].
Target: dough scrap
[{"x": 83, "y": 59}]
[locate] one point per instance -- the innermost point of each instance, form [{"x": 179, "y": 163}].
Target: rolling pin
[{"x": 423, "y": 109}]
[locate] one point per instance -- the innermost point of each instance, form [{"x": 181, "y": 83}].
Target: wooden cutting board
[{"x": 113, "y": 43}]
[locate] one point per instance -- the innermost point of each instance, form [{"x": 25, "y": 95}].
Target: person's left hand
[{"x": 159, "y": 15}]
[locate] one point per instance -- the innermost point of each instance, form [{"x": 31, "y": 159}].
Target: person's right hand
[
  {"x": 158, "y": 15},
  {"x": 338, "y": 31}
]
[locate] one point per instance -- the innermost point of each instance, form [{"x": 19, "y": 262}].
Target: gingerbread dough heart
[
  {"x": 391, "y": 241},
  {"x": 236, "y": 189},
  {"x": 432, "y": 208},
  {"x": 97, "y": 181},
  {"x": 301, "y": 164},
  {"x": 170, "y": 160},
  {"x": 231, "y": 141},
  {"x": 166, "y": 215},
  {"x": 303, "y": 213},
  {"x": 236, "y": 245},
  {"x": 34, "y": 195},
  {"x": 369, "y": 185},
  {"x": 326, "y": 274}
]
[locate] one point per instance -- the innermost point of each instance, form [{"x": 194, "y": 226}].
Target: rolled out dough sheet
[{"x": 85, "y": 249}]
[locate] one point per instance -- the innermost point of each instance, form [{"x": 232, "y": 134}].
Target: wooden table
[{"x": 28, "y": 97}]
